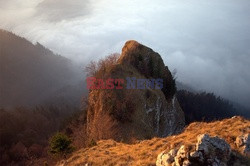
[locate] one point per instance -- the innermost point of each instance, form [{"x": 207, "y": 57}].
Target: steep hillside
[
  {"x": 109, "y": 152},
  {"x": 31, "y": 74}
]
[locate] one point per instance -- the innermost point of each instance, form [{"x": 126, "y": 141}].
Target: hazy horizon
[{"x": 207, "y": 42}]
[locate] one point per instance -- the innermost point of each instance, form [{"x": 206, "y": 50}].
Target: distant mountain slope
[
  {"x": 204, "y": 106},
  {"x": 30, "y": 74}
]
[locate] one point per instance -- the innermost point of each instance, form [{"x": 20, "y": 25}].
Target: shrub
[
  {"x": 98, "y": 68},
  {"x": 60, "y": 144},
  {"x": 45, "y": 163},
  {"x": 92, "y": 143}
]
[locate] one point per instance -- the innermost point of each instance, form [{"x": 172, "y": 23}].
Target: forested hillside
[{"x": 204, "y": 106}]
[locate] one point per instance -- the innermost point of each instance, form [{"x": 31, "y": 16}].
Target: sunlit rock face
[
  {"x": 208, "y": 151},
  {"x": 127, "y": 114},
  {"x": 243, "y": 143}
]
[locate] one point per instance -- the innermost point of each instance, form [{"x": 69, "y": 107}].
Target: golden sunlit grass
[{"x": 109, "y": 152}]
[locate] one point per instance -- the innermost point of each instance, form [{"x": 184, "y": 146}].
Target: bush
[
  {"x": 60, "y": 144},
  {"x": 92, "y": 143},
  {"x": 98, "y": 68}
]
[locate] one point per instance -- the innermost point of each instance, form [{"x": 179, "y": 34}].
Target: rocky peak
[
  {"x": 148, "y": 63},
  {"x": 123, "y": 114}
]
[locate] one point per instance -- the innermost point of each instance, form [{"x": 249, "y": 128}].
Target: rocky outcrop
[
  {"x": 243, "y": 143},
  {"x": 125, "y": 114},
  {"x": 212, "y": 151},
  {"x": 149, "y": 64}
]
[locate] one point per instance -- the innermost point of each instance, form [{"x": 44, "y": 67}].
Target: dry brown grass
[{"x": 109, "y": 152}]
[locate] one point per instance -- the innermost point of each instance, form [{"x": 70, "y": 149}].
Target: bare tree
[
  {"x": 91, "y": 69},
  {"x": 101, "y": 66}
]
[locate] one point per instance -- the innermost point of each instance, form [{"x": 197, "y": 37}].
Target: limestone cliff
[{"x": 125, "y": 114}]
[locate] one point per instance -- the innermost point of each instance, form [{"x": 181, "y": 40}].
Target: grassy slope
[{"x": 109, "y": 152}]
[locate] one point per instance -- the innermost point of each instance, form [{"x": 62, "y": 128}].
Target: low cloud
[
  {"x": 206, "y": 41},
  {"x": 58, "y": 10}
]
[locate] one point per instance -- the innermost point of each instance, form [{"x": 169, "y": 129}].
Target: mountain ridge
[{"x": 109, "y": 152}]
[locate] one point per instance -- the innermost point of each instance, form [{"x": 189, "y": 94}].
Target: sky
[{"x": 206, "y": 41}]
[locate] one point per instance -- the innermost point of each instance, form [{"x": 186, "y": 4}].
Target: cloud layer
[
  {"x": 58, "y": 10},
  {"x": 206, "y": 41}
]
